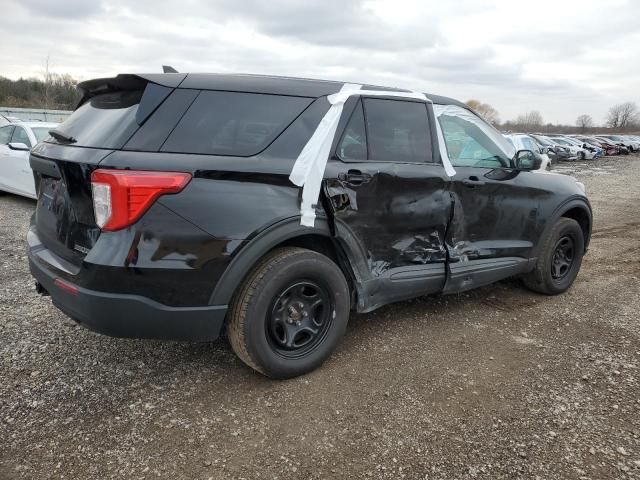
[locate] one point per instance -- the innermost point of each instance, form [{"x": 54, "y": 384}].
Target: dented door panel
[
  {"x": 395, "y": 218},
  {"x": 493, "y": 217},
  {"x": 497, "y": 216}
]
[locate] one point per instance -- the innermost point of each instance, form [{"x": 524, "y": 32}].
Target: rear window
[
  {"x": 105, "y": 121},
  {"x": 233, "y": 123}
]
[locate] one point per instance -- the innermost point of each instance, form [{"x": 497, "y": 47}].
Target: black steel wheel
[
  {"x": 290, "y": 312},
  {"x": 299, "y": 318},
  {"x": 563, "y": 256},
  {"x": 559, "y": 258}
]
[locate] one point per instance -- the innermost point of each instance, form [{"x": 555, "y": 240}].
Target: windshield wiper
[{"x": 63, "y": 137}]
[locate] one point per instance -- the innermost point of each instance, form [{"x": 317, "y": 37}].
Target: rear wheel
[
  {"x": 290, "y": 313},
  {"x": 560, "y": 259}
]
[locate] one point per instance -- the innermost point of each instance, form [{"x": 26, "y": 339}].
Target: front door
[
  {"x": 497, "y": 208},
  {"x": 389, "y": 200},
  {"x": 23, "y": 180},
  {"x": 6, "y": 173}
]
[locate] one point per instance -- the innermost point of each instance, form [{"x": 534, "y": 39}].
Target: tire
[
  {"x": 549, "y": 275},
  {"x": 581, "y": 156},
  {"x": 271, "y": 317}
]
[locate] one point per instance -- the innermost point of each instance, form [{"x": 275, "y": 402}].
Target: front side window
[
  {"x": 397, "y": 131},
  {"x": 471, "y": 142},
  {"x": 20, "y": 136},
  {"x": 5, "y": 134}
]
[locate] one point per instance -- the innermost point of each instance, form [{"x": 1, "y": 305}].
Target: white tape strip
[{"x": 308, "y": 171}]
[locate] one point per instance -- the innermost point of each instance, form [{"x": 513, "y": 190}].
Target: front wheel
[
  {"x": 559, "y": 260},
  {"x": 290, "y": 313}
]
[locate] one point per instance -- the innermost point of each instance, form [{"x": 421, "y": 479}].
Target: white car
[
  {"x": 574, "y": 147},
  {"x": 16, "y": 140},
  {"x": 525, "y": 142}
]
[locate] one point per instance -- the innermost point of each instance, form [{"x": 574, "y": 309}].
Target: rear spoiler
[{"x": 126, "y": 81}]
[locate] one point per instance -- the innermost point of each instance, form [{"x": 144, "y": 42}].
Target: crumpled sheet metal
[{"x": 308, "y": 170}]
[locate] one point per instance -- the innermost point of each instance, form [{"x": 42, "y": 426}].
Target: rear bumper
[{"x": 128, "y": 316}]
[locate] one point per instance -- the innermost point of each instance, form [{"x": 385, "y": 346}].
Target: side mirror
[
  {"x": 18, "y": 146},
  {"x": 527, "y": 160}
]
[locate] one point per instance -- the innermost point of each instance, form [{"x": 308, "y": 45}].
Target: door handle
[
  {"x": 472, "y": 181},
  {"x": 354, "y": 177}
]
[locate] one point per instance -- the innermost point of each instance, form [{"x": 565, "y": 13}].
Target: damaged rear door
[{"x": 389, "y": 200}]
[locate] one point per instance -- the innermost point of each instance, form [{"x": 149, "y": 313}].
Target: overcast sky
[{"x": 563, "y": 58}]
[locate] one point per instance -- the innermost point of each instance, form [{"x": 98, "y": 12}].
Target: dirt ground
[{"x": 495, "y": 383}]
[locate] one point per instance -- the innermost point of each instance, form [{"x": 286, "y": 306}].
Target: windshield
[
  {"x": 544, "y": 141},
  {"x": 41, "y": 133},
  {"x": 573, "y": 141},
  {"x": 561, "y": 141}
]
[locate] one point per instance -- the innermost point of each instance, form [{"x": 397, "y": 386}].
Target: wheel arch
[
  {"x": 286, "y": 232},
  {"x": 578, "y": 209}
]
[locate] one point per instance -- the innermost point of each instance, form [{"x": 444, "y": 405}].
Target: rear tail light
[
  {"x": 120, "y": 197},
  {"x": 65, "y": 286}
]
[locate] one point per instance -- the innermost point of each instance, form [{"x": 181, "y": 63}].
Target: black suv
[{"x": 165, "y": 210}]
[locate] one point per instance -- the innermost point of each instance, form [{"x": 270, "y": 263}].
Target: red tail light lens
[{"x": 120, "y": 197}]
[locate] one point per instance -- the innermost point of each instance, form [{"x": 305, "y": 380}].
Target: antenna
[{"x": 168, "y": 69}]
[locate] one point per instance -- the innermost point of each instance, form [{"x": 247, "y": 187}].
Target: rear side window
[
  {"x": 233, "y": 123},
  {"x": 20, "y": 136},
  {"x": 397, "y": 130},
  {"x": 5, "y": 134},
  {"x": 105, "y": 121},
  {"x": 353, "y": 145},
  {"x": 387, "y": 131}
]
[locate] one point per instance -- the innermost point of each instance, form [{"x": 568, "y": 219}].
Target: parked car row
[
  {"x": 556, "y": 147},
  {"x": 16, "y": 140}
]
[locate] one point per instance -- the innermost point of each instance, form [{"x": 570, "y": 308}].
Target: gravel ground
[{"x": 495, "y": 383}]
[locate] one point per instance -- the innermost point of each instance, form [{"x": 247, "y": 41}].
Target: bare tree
[
  {"x": 584, "y": 121},
  {"x": 530, "y": 120},
  {"x": 623, "y": 115},
  {"x": 485, "y": 110}
]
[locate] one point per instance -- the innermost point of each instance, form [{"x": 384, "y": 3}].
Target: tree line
[
  {"x": 622, "y": 117},
  {"x": 56, "y": 91}
]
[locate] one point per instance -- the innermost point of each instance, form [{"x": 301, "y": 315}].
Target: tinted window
[
  {"x": 353, "y": 145},
  {"x": 5, "y": 134},
  {"x": 20, "y": 136},
  {"x": 105, "y": 121},
  {"x": 233, "y": 123},
  {"x": 397, "y": 130}
]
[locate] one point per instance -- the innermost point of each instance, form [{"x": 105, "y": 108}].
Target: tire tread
[
  {"x": 534, "y": 280},
  {"x": 241, "y": 301}
]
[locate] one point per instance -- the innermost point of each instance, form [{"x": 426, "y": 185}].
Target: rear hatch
[{"x": 110, "y": 112}]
